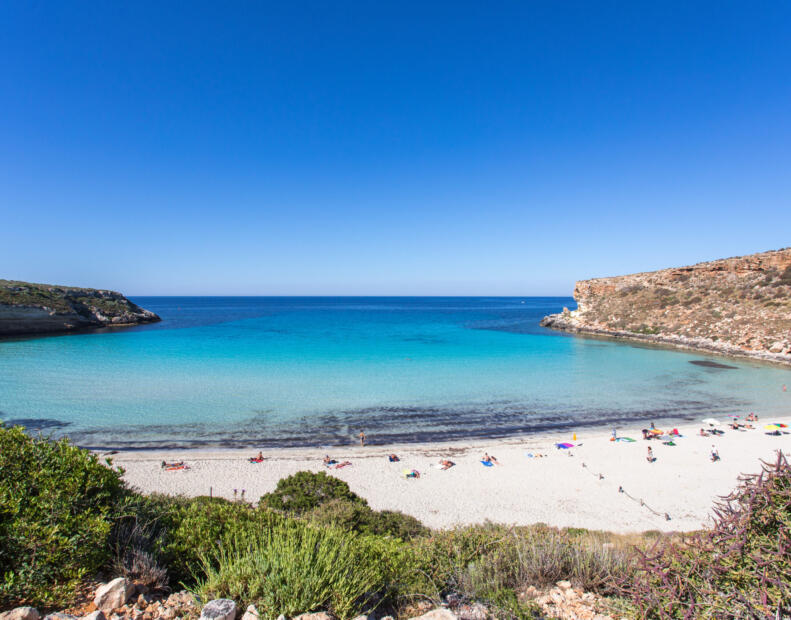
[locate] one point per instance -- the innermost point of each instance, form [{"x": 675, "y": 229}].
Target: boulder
[
  {"x": 114, "y": 594},
  {"x": 438, "y": 614},
  {"x": 251, "y": 613},
  {"x": 59, "y": 616},
  {"x": 473, "y": 611},
  {"x": 319, "y": 615},
  {"x": 21, "y": 613},
  {"x": 219, "y": 609}
]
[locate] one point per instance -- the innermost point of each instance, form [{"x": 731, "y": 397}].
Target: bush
[
  {"x": 194, "y": 527},
  {"x": 357, "y": 517},
  {"x": 292, "y": 568},
  {"x": 305, "y": 490},
  {"x": 741, "y": 568},
  {"x": 56, "y": 505},
  {"x": 491, "y": 563}
]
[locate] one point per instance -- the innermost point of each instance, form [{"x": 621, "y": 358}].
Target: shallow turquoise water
[{"x": 311, "y": 371}]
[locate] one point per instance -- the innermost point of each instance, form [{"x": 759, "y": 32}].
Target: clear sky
[{"x": 489, "y": 148}]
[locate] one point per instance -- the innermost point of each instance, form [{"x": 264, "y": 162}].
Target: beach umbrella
[
  {"x": 711, "y": 422},
  {"x": 565, "y": 446},
  {"x": 772, "y": 427},
  {"x": 780, "y": 425},
  {"x": 735, "y": 417}
]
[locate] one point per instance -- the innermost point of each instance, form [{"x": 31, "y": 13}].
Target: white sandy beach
[{"x": 562, "y": 489}]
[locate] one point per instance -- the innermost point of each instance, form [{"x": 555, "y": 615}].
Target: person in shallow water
[{"x": 362, "y": 438}]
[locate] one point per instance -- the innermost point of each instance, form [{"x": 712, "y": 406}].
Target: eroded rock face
[
  {"x": 27, "y": 308},
  {"x": 735, "y": 306}
]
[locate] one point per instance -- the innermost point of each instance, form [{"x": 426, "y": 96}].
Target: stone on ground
[
  {"x": 438, "y": 614},
  {"x": 114, "y": 594},
  {"x": 21, "y": 613},
  {"x": 251, "y": 613},
  {"x": 219, "y": 609}
]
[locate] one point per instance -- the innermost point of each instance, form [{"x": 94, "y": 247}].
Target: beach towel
[
  {"x": 564, "y": 446},
  {"x": 342, "y": 465},
  {"x": 176, "y": 468},
  {"x": 253, "y": 460},
  {"x": 626, "y": 439},
  {"x": 487, "y": 463}
]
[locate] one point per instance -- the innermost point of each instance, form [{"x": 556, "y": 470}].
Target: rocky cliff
[
  {"x": 734, "y": 306},
  {"x": 27, "y": 308}
]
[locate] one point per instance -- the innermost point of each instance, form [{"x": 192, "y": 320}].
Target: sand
[{"x": 566, "y": 488}]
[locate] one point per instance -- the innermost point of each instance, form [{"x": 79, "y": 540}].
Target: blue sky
[{"x": 388, "y": 148}]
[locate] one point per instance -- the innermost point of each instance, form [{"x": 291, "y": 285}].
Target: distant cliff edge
[
  {"x": 27, "y": 308},
  {"x": 733, "y": 306}
]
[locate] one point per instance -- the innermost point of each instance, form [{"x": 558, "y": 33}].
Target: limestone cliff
[
  {"x": 27, "y": 308},
  {"x": 734, "y": 306}
]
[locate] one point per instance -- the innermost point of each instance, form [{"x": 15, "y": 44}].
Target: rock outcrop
[
  {"x": 41, "y": 308},
  {"x": 733, "y": 306}
]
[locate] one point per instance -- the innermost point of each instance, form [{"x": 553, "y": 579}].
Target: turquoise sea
[{"x": 258, "y": 371}]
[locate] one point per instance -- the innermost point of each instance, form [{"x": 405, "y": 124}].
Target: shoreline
[
  {"x": 561, "y": 489},
  {"x": 558, "y": 322}
]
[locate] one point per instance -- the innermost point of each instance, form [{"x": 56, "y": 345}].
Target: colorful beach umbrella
[
  {"x": 565, "y": 446},
  {"x": 772, "y": 427},
  {"x": 780, "y": 425},
  {"x": 735, "y": 417}
]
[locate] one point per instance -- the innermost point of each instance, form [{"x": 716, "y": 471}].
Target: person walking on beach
[
  {"x": 362, "y": 439},
  {"x": 715, "y": 455}
]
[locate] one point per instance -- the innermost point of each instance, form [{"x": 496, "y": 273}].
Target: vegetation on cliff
[
  {"x": 734, "y": 305},
  {"x": 32, "y": 308}
]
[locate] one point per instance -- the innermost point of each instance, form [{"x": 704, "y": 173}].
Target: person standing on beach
[
  {"x": 362, "y": 438},
  {"x": 650, "y": 457}
]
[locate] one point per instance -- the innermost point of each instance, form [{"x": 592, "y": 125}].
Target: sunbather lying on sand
[
  {"x": 257, "y": 459},
  {"x": 446, "y": 464},
  {"x": 489, "y": 459},
  {"x": 393, "y": 458},
  {"x": 166, "y": 465},
  {"x": 342, "y": 465},
  {"x": 328, "y": 461},
  {"x": 703, "y": 433}
]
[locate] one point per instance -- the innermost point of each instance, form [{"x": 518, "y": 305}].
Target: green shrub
[
  {"x": 357, "y": 517},
  {"x": 305, "y": 490},
  {"x": 293, "y": 568},
  {"x": 741, "y": 568},
  {"x": 56, "y": 505},
  {"x": 492, "y": 562},
  {"x": 194, "y": 527}
]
